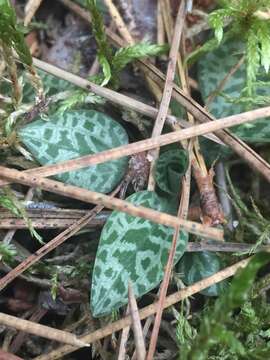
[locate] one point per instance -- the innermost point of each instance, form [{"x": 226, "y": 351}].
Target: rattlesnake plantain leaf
[
  {"x": 196, "y": 266},
  {"x": 212, "y": 69},
  {"x": 51, "y": 84},
  {"x": 131, "y": 249},
  {"x": 170, "y": 168},
  {"x": 74, "y": 134}
]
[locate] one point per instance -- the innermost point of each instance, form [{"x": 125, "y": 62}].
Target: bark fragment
[{"x": 212, "y": 213}]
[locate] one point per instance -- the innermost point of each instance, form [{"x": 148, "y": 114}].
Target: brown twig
[
  {"x": 41, "y": 330},
  {"x": 136, "y": 324},
  {"x": 123, "y": 342},
  {"x": 109, "y": 202},
  {"x": 146, "y": 328},
  {"x": 184, "y": 203},
  {"x": 20, "y": 337},
  {"x": 160, "y": 26},
  {"x": 30, "y": 10},
  {"x": 121, "y": 27},
  {"x": 168, "y": 87},
  {"x": 215, "y": 215},
  {"x": 182, "y": 213},
  {"x": 211, "y": 209},
  {"x": 54, "y": 213},
  {"x": 225, "y": 247},
  {"x": 149, "y": 310},
  {"x": 47, "y": 220}
]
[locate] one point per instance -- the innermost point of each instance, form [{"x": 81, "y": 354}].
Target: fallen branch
[
  {"x": 123, "y": 341},
  {"x": 109, "y": 202},
  {"x": 21, "y": 337},
  {"x": 136, "y": 324},
  {"x": 14, "y": 224},
  {"x": 168, "y": 87},
  {"x": 215, "y": 246},
  {"x": 117, "y": 19},
  {"x": 41, "y": 330}
]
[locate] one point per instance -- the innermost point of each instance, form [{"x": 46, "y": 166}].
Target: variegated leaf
[
  {"x": 170, "y": 168},
  {"x": 74, "y": 134},
  {"x": 212, "y": 69},
  {"x": 199, "y": 265},
  {"x": 51, "y": 84},
  {"x": 131, "y": 249}
]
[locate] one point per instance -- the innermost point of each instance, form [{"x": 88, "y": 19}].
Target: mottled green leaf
[
  {"x": 72, "y": 96},
  {"x": 74, "y": 134},
  {"x": 196, "y": 266},
  {"x": 212, "y": 151},
  {"x": 170, "y": 168},
  {"x": 52, "y": 85},
  {"x": 212, "y": 69},
  {"x": 131, "y": 249}
]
